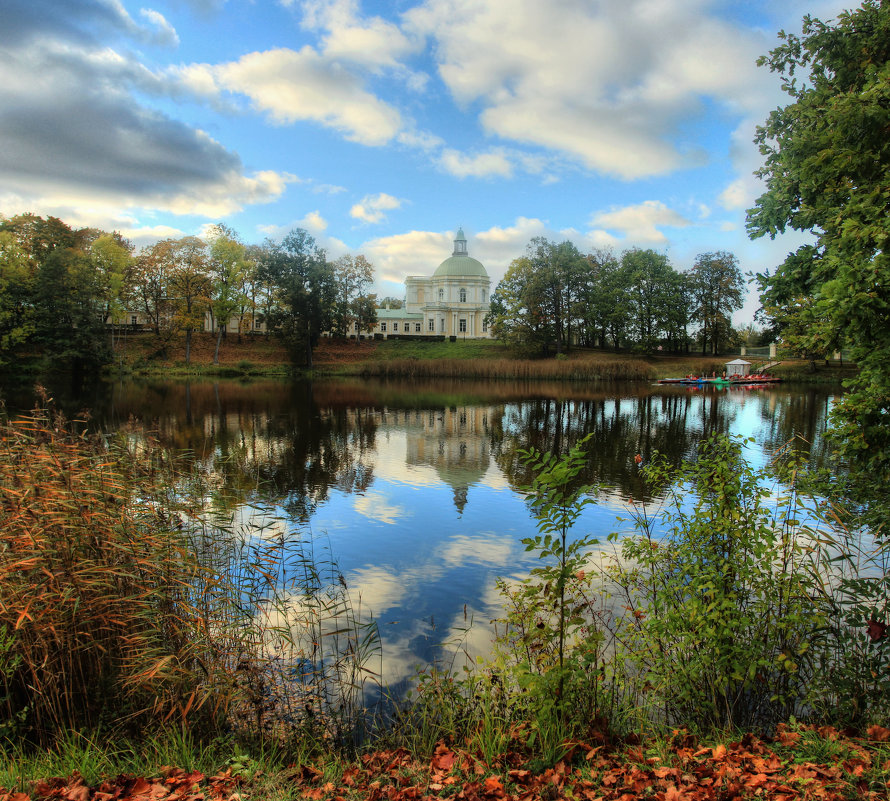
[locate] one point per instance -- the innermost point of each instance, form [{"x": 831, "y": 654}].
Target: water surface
[{"x": 415, "y": 487}]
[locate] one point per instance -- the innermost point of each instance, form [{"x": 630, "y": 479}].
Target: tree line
[
  {"x": 555, "y": 296},
  {"x": 62, "y": 290}
]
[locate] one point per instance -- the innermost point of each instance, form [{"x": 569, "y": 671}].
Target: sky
[{"x": 382, "y": 127}]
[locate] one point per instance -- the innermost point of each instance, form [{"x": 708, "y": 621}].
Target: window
[
  {"x": 432, "y": 325},
  {"x": 441, "y": 295},
  {"x": 463, "y": 295},
  {"x": 133, "y": 320},
  {"x": 416, "y": 328},
  {"x": 463, "y": 326},
  {"x": 383, "y": 326},
  {"x": 442, "y": 325},
  {"x": 257, "y": 323},
  {"x": 483, "y": 296},
  {"x": 355, "y": 326},
  {"x": 395, "y": 327},
  {"x": 485, "y": 326}
]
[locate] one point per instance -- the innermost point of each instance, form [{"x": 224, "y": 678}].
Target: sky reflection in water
[{"x": 413, "y": 487}]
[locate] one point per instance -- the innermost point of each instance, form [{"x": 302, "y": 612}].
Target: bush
[{"x": 718, "y": 622}]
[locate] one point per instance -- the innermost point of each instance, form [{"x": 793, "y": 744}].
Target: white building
[{"x": 452, "y": 302}]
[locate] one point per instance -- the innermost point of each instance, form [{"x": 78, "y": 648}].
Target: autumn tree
[
  {"x": 826, "y": 159},
  {"x": 353, "y": 276},
  {"x": 110, "y": 257},
  {"x": 228, "y": 269},
  {"x": 189, "y": 284},
  {"x": 718, "y": 289},
  {"x": 147, "y": 289}
]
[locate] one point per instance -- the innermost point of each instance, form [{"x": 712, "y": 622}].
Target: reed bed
[
  {"x": 511, "y": 369},
  {"x": 133, "y": 594}
]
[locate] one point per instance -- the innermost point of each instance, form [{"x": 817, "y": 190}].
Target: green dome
[{"x": 460, "y": 265}]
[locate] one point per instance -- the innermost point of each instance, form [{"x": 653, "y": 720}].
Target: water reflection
[{"x": 415, "y": 485}]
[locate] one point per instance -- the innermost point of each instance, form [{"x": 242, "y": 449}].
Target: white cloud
[
  {"x": 606, "y": 83},
  {"x": 164, "y": 32},
  {"x": 640, "y": 223},
  {"x": 291, "y": 85},
  {"x": 480, "y": 165},
  {"x": 373, "y": 208},
  {"x": 372, "y": 42}
]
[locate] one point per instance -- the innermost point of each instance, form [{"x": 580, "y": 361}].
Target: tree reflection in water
[{"x": 414, "y": 482}]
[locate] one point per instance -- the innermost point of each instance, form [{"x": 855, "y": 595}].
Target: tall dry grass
[
  {"x": 523, "y": 369},
  {"x": 131, "y": 595}
]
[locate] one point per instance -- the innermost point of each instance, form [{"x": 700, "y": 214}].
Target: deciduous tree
[
  {"x": 826, "y": 166},
  {"x": 718, "y": 289}
]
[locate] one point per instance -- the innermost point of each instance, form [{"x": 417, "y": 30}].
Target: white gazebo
[{"x": 737, "y": 367}]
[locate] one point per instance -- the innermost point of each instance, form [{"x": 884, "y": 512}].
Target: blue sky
[{"x": 381, "y": 127}]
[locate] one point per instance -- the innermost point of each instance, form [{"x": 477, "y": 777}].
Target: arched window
[
  {"x": 463, "y": 295},
  {"x": 441, "y": 295}
]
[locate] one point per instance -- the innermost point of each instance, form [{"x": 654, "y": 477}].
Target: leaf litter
[{"x": 777, "y": 768}]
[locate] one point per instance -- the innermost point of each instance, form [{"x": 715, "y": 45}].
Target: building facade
[{"x": 452, "y": 302}]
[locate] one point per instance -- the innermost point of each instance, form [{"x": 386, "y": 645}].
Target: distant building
[{"x": 452, "y": 302}]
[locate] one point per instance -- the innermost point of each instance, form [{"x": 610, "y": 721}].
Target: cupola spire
[{"x": 460, "y": 243}]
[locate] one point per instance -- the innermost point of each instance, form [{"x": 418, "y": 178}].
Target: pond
[{"x": 414, "y": 486}]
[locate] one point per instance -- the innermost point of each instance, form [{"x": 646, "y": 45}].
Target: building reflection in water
[{"x": 416, "y": 493}]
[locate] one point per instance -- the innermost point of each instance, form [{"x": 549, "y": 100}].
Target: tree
[
  {"x": 718, "y": 289},
  {"x": 540, "y": 300},
  {"x": 52, "y": 291},
  {"x": 826, "y": 157},
  {"x": 16, "y": 288},
  {"x": 110, "y": 257},
  {"x": 228, "y": 268},
  {"x": 147, "y": 289},
  {"x": 304, "y": 291},
  {"x": 353, "y": 275},
  {"x": 189, "y": 285},
  {"x": 647, "y": 276},
  {"x": 516, "y": 316}
]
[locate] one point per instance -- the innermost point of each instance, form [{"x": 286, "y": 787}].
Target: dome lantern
[{"x": 460, "y": 263}]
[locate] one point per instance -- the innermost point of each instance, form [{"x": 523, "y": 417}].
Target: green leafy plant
[{"x": 718, "y": 619}]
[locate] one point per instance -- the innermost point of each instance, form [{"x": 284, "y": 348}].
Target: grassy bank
[{"x": 467, "y": 359}]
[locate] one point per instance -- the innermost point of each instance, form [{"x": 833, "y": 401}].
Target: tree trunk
[
  {"x": 188, "y": 346},
  {"x": 218, "y": 338}
]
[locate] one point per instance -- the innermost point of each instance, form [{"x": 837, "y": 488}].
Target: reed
[
  {"x": 132, "y": 592},
  {"x": 511, "y": 369}
]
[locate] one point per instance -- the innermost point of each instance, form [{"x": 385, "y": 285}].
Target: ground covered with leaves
[{"x": 799, "y": 763}]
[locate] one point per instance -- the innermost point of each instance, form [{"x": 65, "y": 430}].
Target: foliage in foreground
[
  {"x": 128, "y": 594},
  {"x": 798, "y": 763},
  {"x": 740, "y": 604},
  {"x": 826, "y": 156}
]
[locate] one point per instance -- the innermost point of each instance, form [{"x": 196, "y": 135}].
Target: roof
[
  {"x": 460, "y": 265},
  {"x": 397, "y": 314},
  {"x": 738, "y": 361}
]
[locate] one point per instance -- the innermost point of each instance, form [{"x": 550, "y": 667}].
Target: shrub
[{"x": 717, "y": 620}]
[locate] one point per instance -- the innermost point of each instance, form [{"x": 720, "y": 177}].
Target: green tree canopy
[
  {"x": 718, "y": 289},
  {"x": 827, "y": 155},
  {"x": 305, "y": 293}
]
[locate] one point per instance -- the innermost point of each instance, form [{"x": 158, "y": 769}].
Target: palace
[{"x": 452, "y": 302}]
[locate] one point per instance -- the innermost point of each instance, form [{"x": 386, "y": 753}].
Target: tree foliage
[
  {"x": 826, "y": 157},
  {"x": 718, "y": 289},
  {"x": 304, "y": 289}
]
